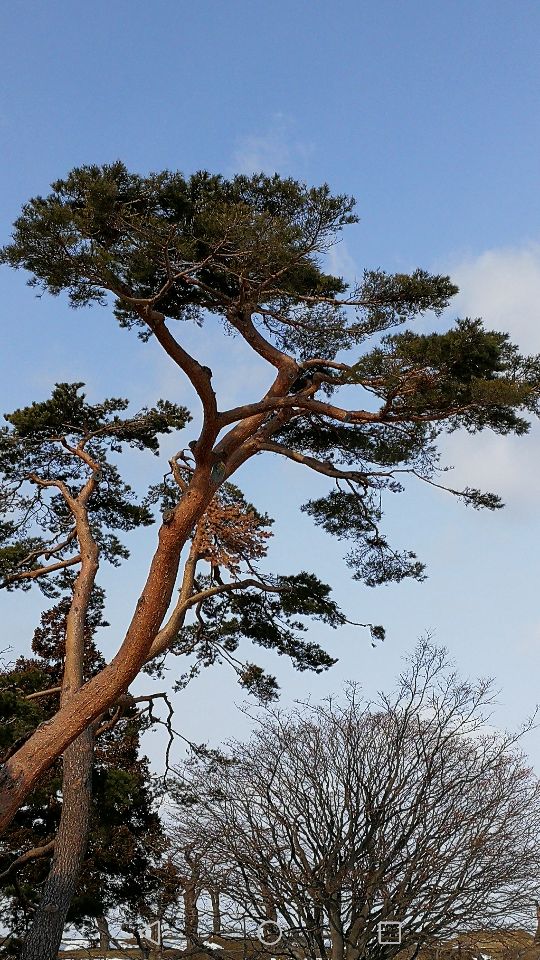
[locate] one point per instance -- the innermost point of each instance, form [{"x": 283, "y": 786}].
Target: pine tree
[
  {"x": 248, "y": 253},
  {"x": 64, "y": 500}
]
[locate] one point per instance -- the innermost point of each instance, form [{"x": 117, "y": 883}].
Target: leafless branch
[{"x": 42, "y": 693}]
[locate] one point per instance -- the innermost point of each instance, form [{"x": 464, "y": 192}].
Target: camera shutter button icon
[{"x": 269, "y": 933}]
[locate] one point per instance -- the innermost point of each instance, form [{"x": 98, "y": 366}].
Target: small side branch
[
  {"x": 34, "y": 854},
  {"x": 319, "y": 466},
  {"x": 40, "y": 571},
  {"x": 50, "y": 550},
  {"x": 109, "y": 724},
  {"x": 43, "y": 693}
]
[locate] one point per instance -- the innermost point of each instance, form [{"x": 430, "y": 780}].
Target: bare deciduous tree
[{"x": 336, "y": 817}]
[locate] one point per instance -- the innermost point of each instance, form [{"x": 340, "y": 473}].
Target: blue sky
[{"x": 428, "y": 114}]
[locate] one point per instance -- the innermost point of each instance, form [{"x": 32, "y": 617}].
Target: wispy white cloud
[
  {"x": 503, "y": 287},
  {"x": 341, "y": 263},
  {"x": 508, "y": 466},
  {"x": 275, "y": 149}
]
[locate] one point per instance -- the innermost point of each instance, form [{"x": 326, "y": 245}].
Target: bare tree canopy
[{"x": 333, "y": 818}]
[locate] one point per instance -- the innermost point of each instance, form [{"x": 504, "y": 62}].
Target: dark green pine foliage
[
  {"x": 272, "y": 621},
  {"x": 113, "y": 229},
  {"x": 126, "y": 839},
  {"x": 276, "y": 619},
  {"x": 45, "y": 443},
  {"x": 41, "y": 441},
  {"x": 189, "y": 247}
]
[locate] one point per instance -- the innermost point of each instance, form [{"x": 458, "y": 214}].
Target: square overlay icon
[{"x": 389, "y": 931}]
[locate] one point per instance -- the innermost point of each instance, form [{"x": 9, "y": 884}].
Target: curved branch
[
  {"x": 34, "y": 854},
  {"x": 331, "y": 364},
  {"x": 198, "y": 598},
  {"x": 108, "y": 724},
  {"x": 199, "y": 376},
  {"x": 187, "y": 599},
  {"x": 287, "y": 370},
  {"x": 319, "y": 466},
  {"x": 269, "y": 404},
  {"x": 90, "y": 485},
  {"x": 177, "y": 473},
  {"x": 59, "y": 484},
  {"x": 176, "y": 620},
  {"x": 41, "y": 571},
  {"x": 49, "y": 551},
  {"x": 241, "y": 320}
]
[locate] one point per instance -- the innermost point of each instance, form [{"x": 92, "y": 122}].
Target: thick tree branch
[
  {"x": 199, "y": 376},
  {"x": 176, "y": 620},
  {"x": 241, "y": 320},
  {"x": 254, "y": 418},
  {"x": 301, "y": 402},
  {"x": 273, "y": 403}
]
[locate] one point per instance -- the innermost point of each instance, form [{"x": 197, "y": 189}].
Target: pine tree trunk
[
  {"x": 45, "y": 934},
  {"x": 43, "y": 939}
]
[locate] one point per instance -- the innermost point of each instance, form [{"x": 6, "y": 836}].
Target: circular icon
[{"x": 269, "y": 928}]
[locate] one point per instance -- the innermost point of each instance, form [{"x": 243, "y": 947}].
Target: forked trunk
[
  {"x": 43, "y": 939},
  {"x": 50, "y": 740}
]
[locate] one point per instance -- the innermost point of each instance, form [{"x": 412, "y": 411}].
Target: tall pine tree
[{"x": 246, "y": 254}]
